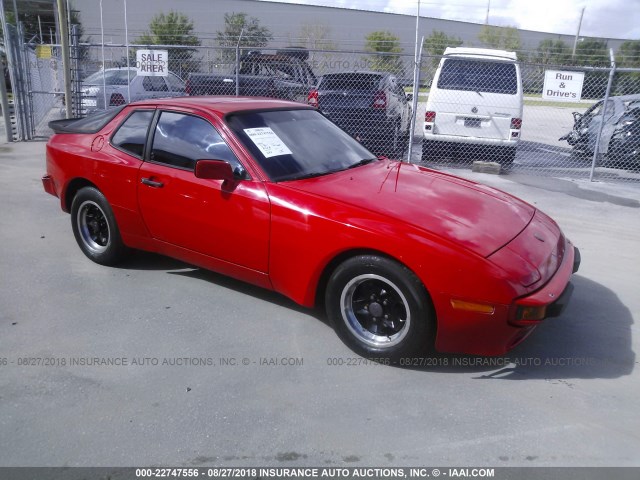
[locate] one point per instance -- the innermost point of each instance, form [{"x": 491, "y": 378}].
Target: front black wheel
[
  {"x": 95, "y": 228},
  {"x": 379, "y": 308}
]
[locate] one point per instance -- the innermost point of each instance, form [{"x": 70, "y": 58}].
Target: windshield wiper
[
  {"x": 362, "y": 162},
  {"x": 306, "y": 175}
]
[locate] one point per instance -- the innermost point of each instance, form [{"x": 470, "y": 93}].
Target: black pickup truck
[{"x": 284, "y": 74}]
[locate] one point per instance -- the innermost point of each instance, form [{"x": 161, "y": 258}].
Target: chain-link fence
[{"x": 481, "y": 110}]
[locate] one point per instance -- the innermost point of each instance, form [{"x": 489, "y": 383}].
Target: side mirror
[
  {"x": 214, "y": 170},
  {"x": 577, "y": 116}
]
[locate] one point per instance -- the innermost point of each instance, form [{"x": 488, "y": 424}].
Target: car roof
[
  {"x": 485, "y": 53},
  {"x": 222, "y": 104}
]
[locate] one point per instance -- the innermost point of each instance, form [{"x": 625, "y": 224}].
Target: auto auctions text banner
[{"x": 333, "y": 473}]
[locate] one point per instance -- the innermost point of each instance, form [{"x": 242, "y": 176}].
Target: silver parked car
[{"x": 117, "y": 86}]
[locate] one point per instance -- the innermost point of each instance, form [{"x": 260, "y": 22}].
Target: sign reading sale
[
  {"x": 152, "y": 63},
  {"x": 562, "y": 86}
]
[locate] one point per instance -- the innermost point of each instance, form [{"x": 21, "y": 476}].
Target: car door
[
  {"x": 226, "y": 222},
  {"x": 176, "y": 86},
  {"x": 151, "y": 87}
]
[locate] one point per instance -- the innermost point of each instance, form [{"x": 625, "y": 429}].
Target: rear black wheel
[{"x": 95, "y": 228}]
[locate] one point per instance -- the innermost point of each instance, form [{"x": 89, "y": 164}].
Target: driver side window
[{"x": 180, "y": 139}]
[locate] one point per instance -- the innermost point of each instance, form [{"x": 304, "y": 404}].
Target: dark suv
[{"x": 370, "y": 106}]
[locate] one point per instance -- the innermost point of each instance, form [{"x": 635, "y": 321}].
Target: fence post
[
  {"x": 238, "y": 63},
  {"x": 604, "y": 114},
  {"x": 414, "y": 103},
  {"x": 64, "y": 41}
]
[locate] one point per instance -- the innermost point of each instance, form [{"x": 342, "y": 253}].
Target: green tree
[
  {"x": 437, "y": 42},
  {"x": 247, "y": 30},
  {"x": 506, "y": 38},
  {"x": 173, "y": 28},
  {"x": 628, "y": 54},
  {"x": 434, "y": 46},
  {"x": 552, "y": 52},
  {"x": 386, "y": 47},
  {"x": 592, "y": 52},
  {"x": 316, "y": 36}
]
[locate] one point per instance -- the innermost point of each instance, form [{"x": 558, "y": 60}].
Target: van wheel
[
  {"x": 506, "y": 157},
  {"x": 429, "y": 151}
]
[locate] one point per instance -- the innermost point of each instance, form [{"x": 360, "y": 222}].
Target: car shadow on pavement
[
  {"x": 141, "y": 260},
  {"x": 591, "y": 339}
]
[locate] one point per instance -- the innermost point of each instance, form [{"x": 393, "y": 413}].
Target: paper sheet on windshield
[{"x": 270, "y": 144}]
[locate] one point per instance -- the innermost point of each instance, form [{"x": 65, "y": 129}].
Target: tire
[
  {"x": 506, "y": 156},
  {"x": 379, "y": 308},
  {"x": 394, "y": 145},
  {"x": 95, "y": 228},
  {"x": 429, "y": 151}
]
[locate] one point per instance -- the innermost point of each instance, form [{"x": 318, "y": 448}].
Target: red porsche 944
[{"x": 273, "y": 193}]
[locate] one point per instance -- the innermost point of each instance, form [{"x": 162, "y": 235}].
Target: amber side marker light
[
  {"x": 531, "y": 314},
  {"x": 473, "y": 307}
]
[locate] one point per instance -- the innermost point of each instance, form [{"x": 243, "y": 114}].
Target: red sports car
[{"x": 272, "y": 193}]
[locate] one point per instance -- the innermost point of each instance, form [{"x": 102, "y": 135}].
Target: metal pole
[
  {"x": 575, "y": 41},
  {"x": 414, "y": 108},
  {"x": 4, "y": 101},
  {"x": 238, "y": 63},
  {"x": 40, "y": 30},
  {"x": 126, "y": 40},
  {"x": 104, "y": 73},
  {"x": 64, "y": 41},
  {"x": 604, "y": 113},
  {"x": 416, "y": 66}
]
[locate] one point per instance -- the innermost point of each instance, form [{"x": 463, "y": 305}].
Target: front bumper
[
  {"x": 499, "y": 332},
  {"x": 458, "y": 139}
]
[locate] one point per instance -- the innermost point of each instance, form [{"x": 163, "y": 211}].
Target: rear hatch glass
[
  {"x": 348, "y": 91},
  {"x": 478, "y": 76}
]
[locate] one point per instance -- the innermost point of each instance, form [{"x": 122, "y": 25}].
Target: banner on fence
[
  {"x": 561, "y": 86},
  {"x": 152, "y": 63}
]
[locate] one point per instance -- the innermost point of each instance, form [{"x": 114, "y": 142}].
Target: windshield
[
  {"x": 295, "y": 144},
  {"x": 479, "y": 76},
  {"x": 111, "y": 77}
]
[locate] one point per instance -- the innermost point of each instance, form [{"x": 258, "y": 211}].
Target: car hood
[{"x": 474, "y": 216}]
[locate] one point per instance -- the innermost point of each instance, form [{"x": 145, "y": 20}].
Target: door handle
[{"x": 152, "y": 183}]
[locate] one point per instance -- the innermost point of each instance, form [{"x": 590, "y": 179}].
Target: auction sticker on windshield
[{"x": 270, "y": 144}]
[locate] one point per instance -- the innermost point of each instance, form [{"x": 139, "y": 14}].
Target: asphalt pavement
[{"x": 160, "y": 363}]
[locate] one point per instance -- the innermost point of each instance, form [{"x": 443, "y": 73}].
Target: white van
[{"x": 475, "y": 103}]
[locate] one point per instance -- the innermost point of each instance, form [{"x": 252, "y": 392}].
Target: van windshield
[{"x": 478, "y": 76}]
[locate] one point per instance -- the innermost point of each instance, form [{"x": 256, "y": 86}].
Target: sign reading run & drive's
[
  {"x": 152, "y": 63},
  {"x": 562, "y": 86}
]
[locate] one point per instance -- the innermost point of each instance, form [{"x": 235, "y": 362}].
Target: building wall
[{"x": 347, "y": 28}]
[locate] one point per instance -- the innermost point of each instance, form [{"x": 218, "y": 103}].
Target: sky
[{"x": 602, "y": 18}]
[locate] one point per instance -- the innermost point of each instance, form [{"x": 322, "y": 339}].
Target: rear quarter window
[
  {"x": 478, "y": 76},
  {"x": 132, "y": 133}
]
